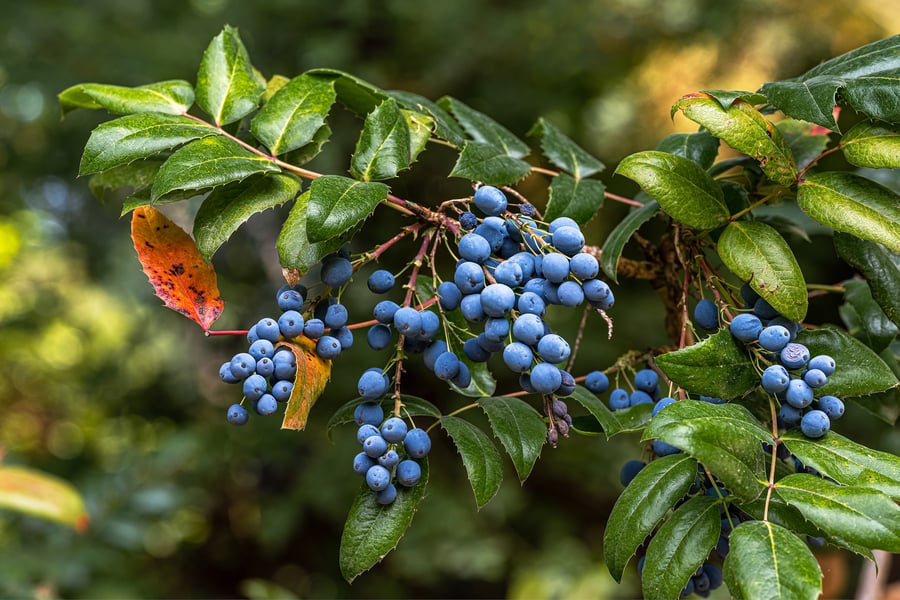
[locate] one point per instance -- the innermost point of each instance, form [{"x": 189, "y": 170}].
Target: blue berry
[
  {"x": 531, "y": 303},
  {"x": 375, "y": 445},
  {"x": 472, "y": 308},
  {"x": 368, "y": 412},
  {"x": 815, "y": 378},
  {"x": 815, "y": 424},
  {"x": 527, "y": 209},
  {"x": 408, "y": 473},
  {"x": 639, "y": 397},
  {"x": 493, "y": 229},
  {"x": 831, "y": 406},
  {"x": 261, "y": 348},
  {"x": 749, "y": 295},
  {"x": 518, "y": 357},
  {"x": 468, "y": 221},
  {"x": 661, "y": 448},
  {"x": 407, "y": 321},
  {"x": 237, "y": 415},
  {"x": 630, "y": 470},
  {"x": 226, "y": 375},
  {"x": 618, "y": 399},
  {"x": 509, "y": 274},
  {"x": 525, "y": 383},
  {"x": 417, "y": 443},
  {"x": 435, "y": 349},
  {"x": 389, "y": 459},
  {"x": 336, "y": 316},
  {"x": 664, "y": 402},
  {"x": 775, "y": 379},
  {"x": 365, "y": 431},
  {"x": 525, "y": 262},
  {"x": 267, "y": 329},
  {"x": 558, "y": 222},
  {"x": 545, "y": 378},
  {"x": 380, "y": 281},
  {"x": 281, "y": 391},
  {"x": 446, "y": 366},
  {"x": 568, "y": 240},
  {"x": 490, "y": 200},
  {"x": 371, "y": 385},
  {"x": 790, "y": 415},
  {"x": 336, "y": 271},
  {"x": 378, "y": 478},
  {"x": 314, "y": 329},
  {"x": 463, "y": 377},
  {"x": 798, "y": 394},
  {"x": 567, "y": 384},
  {"x": 362, "y": 462},
  {"x": 469, "y": 278},
  {"x": 706, "y": 314},
  {"x": 251, "y": 334},
  {"x": 449, "y": 295},
  {"x": 394, "y": 430},
  {"x": 528, "y": 329},
  {"x": 266, "y": 405},
  {"x": 474, "y": 248},
  {"x": 598, "y": 291},
  {"x": 255, "y": 386},
  {"x": 290, "y": 324},
  {"x": 774, "y": 338},
  {"x": 824, "y": 363},
  {"x": 794, "y": 356},
  {"x": 379, "y": 336},
  {"x": 242, "y": 365},
  {"x": 597, "y": 382},
  {"x": 387, "y": 495},
  {"x": 265, "y": 366},
  {"x": 290, "y": 300},
  {"x": 646, "y": 380},
  {"x": 746, "y": 327},
  {"x": 584, "y": 266},
  {"x": 553, "y": 348},
  {"x": 764, "y": 310},
  {"x": 474, "y": 352},
  {"x": 344, "y": 336},
  {"x": 496, "y": 329},
  {"x": 285, "y": 364},
  {"x": 555, "y": 267},
  {"x": 384, "y": 311},
  {"x": 328, "y": 347},
  {"x": 497, "y": 300},
  {"x": 570, "y": 294}
]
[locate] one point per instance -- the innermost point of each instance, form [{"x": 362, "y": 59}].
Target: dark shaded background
[{"x": 101, "y": 386}]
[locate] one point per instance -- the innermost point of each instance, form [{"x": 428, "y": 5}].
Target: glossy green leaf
[
  {"x": 519, "y": 427},
  {"x": 479, "y": 455},
  {"x": 207, "y": 163},
  {"x": 880, "y": 267},
  {"x": 445, "y": 126},
  {"x": 483, "y": 129},
  {"x": 489, "y": 164},
  {"x": 578, "y": 199},
  {"x": 852, "y": 204},
  {"x": 847, "y": 462},
  {"x": 228, "y": 88},
  {"x": 372, "y": 529},
  {"x": 861, "y": 515},
  {"x": 134, "y": 176},
  {"x": 806, "y": 141},
  {"x": 866, "y": 78},
  {"x": 295, "y": 250},
  {"x": 728, "y": 97},
  {"x": 874, "y": 145},
  {"x": 859, "y": 370},
  {"x": 683, "y": 189},
  {"x": 383, "y": 146},
  {"x": 717, "y": 366},
  {"x": 745, "y": 129},
  {"x": 420, "y": 126},
  {"x": 142, "y": 198},
  {"x": 124, "y": 140},
  {"x": 173, "y": 97},
  {"x": 413, "y": 406},
  {"x": 869, "y": 323},
  {"x": 42, "y": 495},
  {"x": 755, "y": 252},
  {"x": 619, "y": 236},
  {"x": 307, "y": 152},
  {"x": 563, "y": 152},
  {"x": 275, "y": 83},
  {"x": 724, "y": 437},
  {"x": 295, "y": 114},
  {"x": 700, "y": 148},
  {"x": 647, "y": 499},
  {"x": 680, "y": 546},
  {"x": 359, "y": 96},
  {"x": 229, "y": 207},
  {"x": 338, "y": 203},
  {"x": 768, "y": 561},
  {"x": 611, "y": 423}
]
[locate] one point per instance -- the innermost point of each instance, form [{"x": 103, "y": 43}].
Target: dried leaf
[{"x": 313, "y": 374}]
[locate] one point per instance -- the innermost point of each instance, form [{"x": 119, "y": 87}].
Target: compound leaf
[
  {"x": 619, "y": 236},
  {"x": 228, "y": 87},
  {"x": 717, "y": 366},
  {"x": 479, "y": 455},
  {"x": 859, "y": 370},
  {"x": 489, "y": 164},
  {"x": 519, "y": 427},
  {"x": 756, "y": 252},
  {"x": 874, "y": 145},
  {"x": 295, "y": 114},
  {"x": 563, "y": 152},
  {"x": 337, "y": 204},
  {"x": 42, "y": 495},
  {"x": 383, "y": 148},
  {"x": 483, "y": 129},
  {"x": 647, "y": 499},
  {"x": 578, "y": 199},
  {"x": 173, "y": 97}
]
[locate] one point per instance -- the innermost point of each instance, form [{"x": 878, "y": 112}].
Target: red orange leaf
[
  {"x": 42, "y": 495},
  {"x": 312, "y": 376},
  {"x": 177, "y": 272}
]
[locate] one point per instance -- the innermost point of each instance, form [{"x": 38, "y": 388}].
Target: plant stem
[
  {"x": 622, "y": 199},
  {"x": 227, "y": 332},
  {"x": 756, "y": 204},
  {"x": 771, "y": 483}
]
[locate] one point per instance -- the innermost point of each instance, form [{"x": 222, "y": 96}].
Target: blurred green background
[{"x": 101, "y": 386}]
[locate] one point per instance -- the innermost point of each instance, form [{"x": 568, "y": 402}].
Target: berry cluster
[
  {"x": 382, "y": 441},
  {"x": 794, "y": 376}
]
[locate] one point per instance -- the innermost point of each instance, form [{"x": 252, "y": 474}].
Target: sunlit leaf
[
  {"x": 874, "y": 145},
  {"x": 173, "y": 97},
  {"x": 336, "y": 204},
  {"x": 382, "y": 149},
  {"x": 717, "y": 366},
  {"x": 563, "y": 152},
  {"x": 228, "y": 88},
  {"x": 295, "y": 114},
  {"x": 42, "y": 495},
  {"x": 578, "y": 199}
]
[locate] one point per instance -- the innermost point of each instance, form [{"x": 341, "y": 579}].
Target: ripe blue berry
[
  {"x": 407, "y": 321},
  {"x": 469, "y": 278},
  {"x": 226, "y": 375},
  {"x": 285, "y": 364},
  {"x": 824, "y": 363},
  {"x": 362, "y": 462},
  {"x": 661, "y": 448},
  {"x": 384, "y": 311},
  {"x": 417, "y": 443},
  {"x": 570, "y": 294},
  {"x": 254, "y": 387},
  {"x": 764, "y": 310},
  {"x": 378, "y": 478},
  {"x": 815, "y": 378},
  {"x": 774, "y": 338},
  {"x": 290, "y": 300},
  {"x": 336, "y": 316},
  {"x": 497, "y": 300},
  {"x": 474, "y": 352},
  {"x": 380, "y": 281},
  {"x": 266, "y": 405},
  {"x": 568, "y": 240},
  {"x": 389, "y": 459},
  {"x": 468, "y": 221},
  {"x": 509, "y": 274},
  {"x": 775, "y": 379},
  {"x": 518, "y": 357},
  {"x": 749, "y": 295},
  {"x": 344, "y": 335},
  {"x": 379, "y": 336},
  {"x": 746, "y": 327},
  {"x": 449, "y": 295},
  {"x": 251, "y": 334},
  {"x": 490, "y": 200},
  {"x": 435, "y": 349},
  {"x": 646, "y": 380},
  {"x": 664, "y": 402},
  {"x": 242, "y": 365},
  {"x": 794, "y": 356},
  {"x": 706, "y": 314},
  {"x": 831, "y": 406},
  {"x": 328, "y": 347},
  {"x": 597, "y": 382},
  {"x": 371, "y": 385},
  {"x": 261, "y": 348},
  {"x": 553, "y": 348},
  {"x": 265, "y": 366},
  {"x": 496, "y": 329},
  {"x": 408, "y": 473},
  {"x": 387, "y": 495},
  {"x": 290, "y": 324},
  {"x": 368, "y": 412},
  {"x": 463, "y": 377},
  {"x": 237, "y": 415},
  {"x": 798, "y": 394},
  {"x": 336, "y": 271},
  {"x": 267, "y": 329},
  {"x": 597, "y": 291},
  {"x": 375, "y": 445},
  {"x": 555, "y": 267},
  {"x": 545, "y": 378},
  {"x": 618, "y": 399},
  {"x": 531, "y": 303},
  {"x": 281, "y": 391},
  {"x": 630, "y": 471},
  {"x": 528, "y": 329},
  {"x": 815, "y": 424},
  {"x": 394, "y": 430},
  {"x": 446, "y": 366},
  {"x": 584, "y": 266},
  {"x": 474, "y": 248},
  {"x": 314, "y": 329},
  {"x": 365, "y": 431},
  {"x": 561, "y": 222},
  {"x": 471, "y": 308},
  {"x": 790, "y": 415},
  {"x": 567, "y": 385},
  {"x": 639, "y": 397}
]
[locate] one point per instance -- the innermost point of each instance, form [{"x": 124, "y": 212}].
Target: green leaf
[
  {"x": 445, "y": 127},
  {"x": 413, "y": 406},
  {"x": 295, "y": 250},
  {"x": 647, "y": 499},
  {"x": 228, "y": 88},
  {"x": 41, "y": 495},
  {"x": 229, "y": 207},
  {"x": 124, "y": 140},
  {"x": 745, "y": 129},
  {"x": 383, "y": 146},
  {"x": 483, "y": 129},
  {"x": 307, "y": 152},
  {"x": 173, "y": 97},
  {"x": 680, "y": 546},
  {"x": 724, "y": 437},
  {"x": 755, "y": 252},
  {"x": 874, "y": 145},
  {"x": 142, "y": 198},
  {"x": 847, "y": 462},
  {"x": 865, "y": 77},
  {"x": 372, "y": 529},
  {"x": 700, "y": 148},
  {"x": 420, "y": 126},
  {"x": 683, "y": 189},
  {"x": 479, "y": 455},
  {"x": 489, "y": 164},
  {"x": 563, "y": 152},
  {"x": 295, "y": 114},
  {"x": 337, "y": 204},
  {"x": 520, "y": 428},
  {"x": 135, "y": 176},
  {"x": 852, "y": 204},
  {"x": 208, "y": 163},
  {"x": 717, "y": 366},
  {"x": 860, "y": 515},
  {"x": 875, "y": 330},
  {"x": 578, "y": 199},
  {"x": 612, "y": 423},
  {"x": 768, "y": 561},
  {"x": 359, "y": 96},
  {"x": 726, "y": 98},
  {"x": 880, "y": 268},
  {"x": 859, "y": 370},
  {"x": 805, "y": 140},
  {"x": 619, "y": 236}
]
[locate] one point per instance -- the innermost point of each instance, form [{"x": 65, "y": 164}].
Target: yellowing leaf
[
  {"x": 41, "y": 495},
  {"x": 313, "y": 374}
]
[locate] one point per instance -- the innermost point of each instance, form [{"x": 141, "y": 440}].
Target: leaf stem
[
  {"x": 622, "y": 199},
  {"x": 227, "y": 332},
  {"x": 837, "y": 289},
  {"x": 812, "y": 163},
  {"x": 756, "y": 204},
  {"x": 777, "y": 440}
]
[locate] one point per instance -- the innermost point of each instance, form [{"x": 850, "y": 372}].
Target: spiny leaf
[
  {"x": 42, "y": 495},
  {"x": 135, "y": 176},
  {"x": 716, "y": 366},
  {"x": 445, "y": 127},
  {"x": 312, "y": 376},
  {"x": 359, "y": 96},
  {"x": 295, "y": 114},
  {"x": 806, "y": 141},
  {"x": 228, "y": 88},
  {"x": 175, "y": 268},
  {"x": 489, "y": 164},
  {"x": 479, "y": 455},
  {"x": 173, "y": 97},
  {"x": 520, "y": 429},
  {"x": 295, "y": 251},
  {"x": 578, "y": 199},
  {"x": 563, "y": 152},
  {"x": 337, "y": 204},
  {"x": 382, "y": 149},
  {"x": 483, "y": 129}
]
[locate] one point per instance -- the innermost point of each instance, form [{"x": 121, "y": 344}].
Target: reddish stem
[
  {"x": 228, "y": 332},
  {"x": 622, "y": 199}
]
